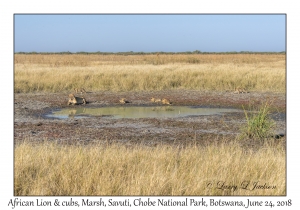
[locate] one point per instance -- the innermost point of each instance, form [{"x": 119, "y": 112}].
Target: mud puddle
[{"x": 135, "y": 112}]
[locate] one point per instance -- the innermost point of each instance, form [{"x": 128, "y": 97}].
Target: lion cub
[
  {"x": 123, "y": 101},
  {"x": 240, "y": 90},
  {"x": 156, "y": 100},
  {"x": 76, "y": 100},
  {"x": 166, "y": 101},
  {"x": 79, "y": 90}
]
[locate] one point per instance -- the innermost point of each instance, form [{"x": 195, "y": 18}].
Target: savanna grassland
[
  {"x": 53, "y": 169},
  {"x": 204, "y": 155},
  {"x": 56, "y": 73}
]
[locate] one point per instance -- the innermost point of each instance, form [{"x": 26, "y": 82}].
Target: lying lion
[
  {"x": 76, "y": 100},
  {"x": 165, "y": 101},
  {"x": 240, "y": 90},
  {"x": 123, "y": 101},
  {"x": 79, "y": 90},
  {"x": 156, "y": 100}
]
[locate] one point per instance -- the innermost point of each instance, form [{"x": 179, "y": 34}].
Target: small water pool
[{"x": 137, "y": 112}]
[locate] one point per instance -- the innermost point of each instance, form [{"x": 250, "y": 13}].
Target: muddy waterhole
[{"x": 135, "y": 112}]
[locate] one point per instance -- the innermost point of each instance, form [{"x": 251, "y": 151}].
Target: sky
[{"x": 149, "y": 33}]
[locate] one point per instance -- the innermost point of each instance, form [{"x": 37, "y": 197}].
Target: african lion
[
  {"x": 76, "y": 100},
  {"x": 155, "y": 100},
  {"x": 123, "y": 101},
  {"x": 79, "y": 90},
  {"x": 165, "y": 101},
  {"x": 240, "y": 90}
]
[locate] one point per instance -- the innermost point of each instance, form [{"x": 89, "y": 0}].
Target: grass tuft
[{"x": 259, "y": 124}]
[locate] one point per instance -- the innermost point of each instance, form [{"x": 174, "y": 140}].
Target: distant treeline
[{"x": 150, "y": 53}]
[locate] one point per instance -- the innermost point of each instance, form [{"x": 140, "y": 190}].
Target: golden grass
[
  {"x": 56, "y": 73},
  {"x": 54, "y": 169}
]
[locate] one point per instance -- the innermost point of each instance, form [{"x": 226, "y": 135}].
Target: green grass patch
[{"x": 259, "y": 124}]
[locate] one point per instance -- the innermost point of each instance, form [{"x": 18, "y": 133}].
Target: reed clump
[
  {"x": 56, "y": 73},
  {"x": 50, "y": 168}
]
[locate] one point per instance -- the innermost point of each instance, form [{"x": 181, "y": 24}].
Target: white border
[{"x": 8, "y": 8}]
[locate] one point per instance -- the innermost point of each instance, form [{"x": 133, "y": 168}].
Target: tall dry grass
[
  {"x": 55, "y": 73},
  {"x": 53, "y": 169}
]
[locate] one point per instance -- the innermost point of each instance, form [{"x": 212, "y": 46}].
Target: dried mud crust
[{"x": 30, "y": 121}]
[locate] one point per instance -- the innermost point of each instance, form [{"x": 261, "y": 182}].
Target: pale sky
[{"x": 149, "y": 33}]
